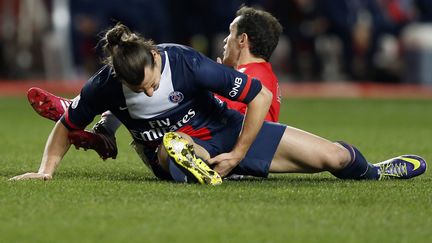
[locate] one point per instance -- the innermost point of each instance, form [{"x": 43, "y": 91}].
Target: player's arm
[
  {"x": 56, "y": 147},
  {"x": 253, "y": 121},
  {"x": 78, "y": 116},
  {"x": 239, "y": 87},
  {"x": 254, "y": 118}
]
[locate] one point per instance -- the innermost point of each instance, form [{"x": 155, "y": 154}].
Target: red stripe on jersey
[
  {"x": 201, "y": 133},
  {"x": 70, "y": 124},
  {"x": 246, "y": 89}
]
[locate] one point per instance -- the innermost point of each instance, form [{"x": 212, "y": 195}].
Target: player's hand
[
  {"x": 224, "y": 163},
  {"x": 219, "y": 60},
  {"x": 32, "y": 176}
]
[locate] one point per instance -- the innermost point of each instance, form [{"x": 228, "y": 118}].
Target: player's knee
[
  {"x": 199, "y": 150},
  {"x": 185, "y": 136},
  {"x": 337, "y": 158},
  {"x": 162, "y": 153}
]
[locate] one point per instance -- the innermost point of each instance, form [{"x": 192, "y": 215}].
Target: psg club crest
[{"x": 175, "y": 97}]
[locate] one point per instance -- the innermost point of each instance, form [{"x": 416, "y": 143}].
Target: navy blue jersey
[{"x": 183, "y": 102}]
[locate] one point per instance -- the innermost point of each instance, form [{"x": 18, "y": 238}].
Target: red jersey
[{"x": 262, "y": 71}]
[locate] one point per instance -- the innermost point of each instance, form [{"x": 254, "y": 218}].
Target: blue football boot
[{"x": 401, "y": 167}]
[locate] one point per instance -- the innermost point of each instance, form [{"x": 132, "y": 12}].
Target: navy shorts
[
  {"x": 257, "y": 160},
  {"x": 260, "y": 155}
]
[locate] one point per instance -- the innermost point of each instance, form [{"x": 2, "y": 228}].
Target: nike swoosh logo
[
  {"x": 122, "y": 108},
  {"x": 414, "y": 162}
]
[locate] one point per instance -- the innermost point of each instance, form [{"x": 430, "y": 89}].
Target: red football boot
[
  {"x": 98, "y": 139},
  {"x": 46, "y": 104}
]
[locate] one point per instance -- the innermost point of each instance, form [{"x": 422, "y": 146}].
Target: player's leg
[
  {"x": 300, "y": 151},
  {"x": 109, "y": 122},
  {"x": 303, "y": 152},
  {"x": 149, "y": 157},
  {"x": 184, "y": 159},
  {"x": 162, "y": 165},
  {"x": 100, "y": 138}
]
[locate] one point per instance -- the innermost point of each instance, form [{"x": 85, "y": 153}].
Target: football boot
[
  {"x": 401, "y": 167},
  {"x": 46, "y": 104},
  {"x": 183, "y": 154},
  {"x": 98, "y": 139}
]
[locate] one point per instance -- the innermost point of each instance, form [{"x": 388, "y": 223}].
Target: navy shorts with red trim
[{"x": 258, "y": 159}]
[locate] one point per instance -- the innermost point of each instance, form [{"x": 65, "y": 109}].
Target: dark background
[{"x": 388, "y": 41}]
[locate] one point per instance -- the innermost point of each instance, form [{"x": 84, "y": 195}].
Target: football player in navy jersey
[
  {"x": 164, "y": 93},
  {"x": 254, "y": 35},
  {"x": 245, "y": 49}
]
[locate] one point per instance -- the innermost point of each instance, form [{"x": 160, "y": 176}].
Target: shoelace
[{"x": 393, "y": 170}]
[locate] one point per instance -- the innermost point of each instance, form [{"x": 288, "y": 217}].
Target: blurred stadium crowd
[{"x": 324, "y": 40}]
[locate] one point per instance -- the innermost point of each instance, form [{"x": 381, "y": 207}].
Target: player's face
[
  {"x": 232, "y": 48},
  {"x": 152, "y": 78}
]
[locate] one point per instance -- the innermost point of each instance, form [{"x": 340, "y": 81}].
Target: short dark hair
[
  {"x": 127, "y": 53},
  {"x": 262, "y": 28}
]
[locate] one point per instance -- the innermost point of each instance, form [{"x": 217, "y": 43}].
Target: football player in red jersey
[{"x": 249, "y": 50}]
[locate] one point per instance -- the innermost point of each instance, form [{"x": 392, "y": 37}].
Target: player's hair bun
[
  {"x": 118, "y": 35},
  {"x": 127, "y": 53}
]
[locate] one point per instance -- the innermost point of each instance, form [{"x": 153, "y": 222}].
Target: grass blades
[{"x": 121, "y": 201}]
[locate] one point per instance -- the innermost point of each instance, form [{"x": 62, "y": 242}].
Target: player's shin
[
  {"x": 358, "y": 168},
  {"x": 175, "y": 171}
]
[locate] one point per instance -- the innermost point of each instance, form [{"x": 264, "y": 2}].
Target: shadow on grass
[
  {"x": 318, "y": 179},
  {"x": 137, "y": 176},
  {"x": 287, "y": 179},
  {"x": 146, "y": 176},
  {"x": 127, "y": 176}
]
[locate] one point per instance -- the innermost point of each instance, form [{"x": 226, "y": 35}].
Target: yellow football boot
[{"x": 182, "y": 152}]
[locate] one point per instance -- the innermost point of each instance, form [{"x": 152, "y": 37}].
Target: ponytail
[{"x": 127, "y": 53}]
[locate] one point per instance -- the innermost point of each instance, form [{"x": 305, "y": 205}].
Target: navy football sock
[
  {"x": 178, "y": 174},
  {"x": 358, "y": 168},
  {"x": 175, "y": 172},
  {"x": 110, "y": 122}
]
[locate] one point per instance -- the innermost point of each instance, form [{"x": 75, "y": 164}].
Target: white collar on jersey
[{"x": 140, "y": 106}]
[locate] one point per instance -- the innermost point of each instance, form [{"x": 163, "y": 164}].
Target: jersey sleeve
[
  {"x": 224, "y": 80},
  {"x": 268, "y": 80},
  {"x": 84, "y": 107},
  {"x": 238, "y": 106}
]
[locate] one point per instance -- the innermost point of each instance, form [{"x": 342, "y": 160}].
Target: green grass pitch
[{"x": 120, "y": 201}]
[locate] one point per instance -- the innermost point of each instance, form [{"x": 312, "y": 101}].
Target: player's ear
[
  {"x": 243, "y": 40},
  {"x": 154, "y": 53}
]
